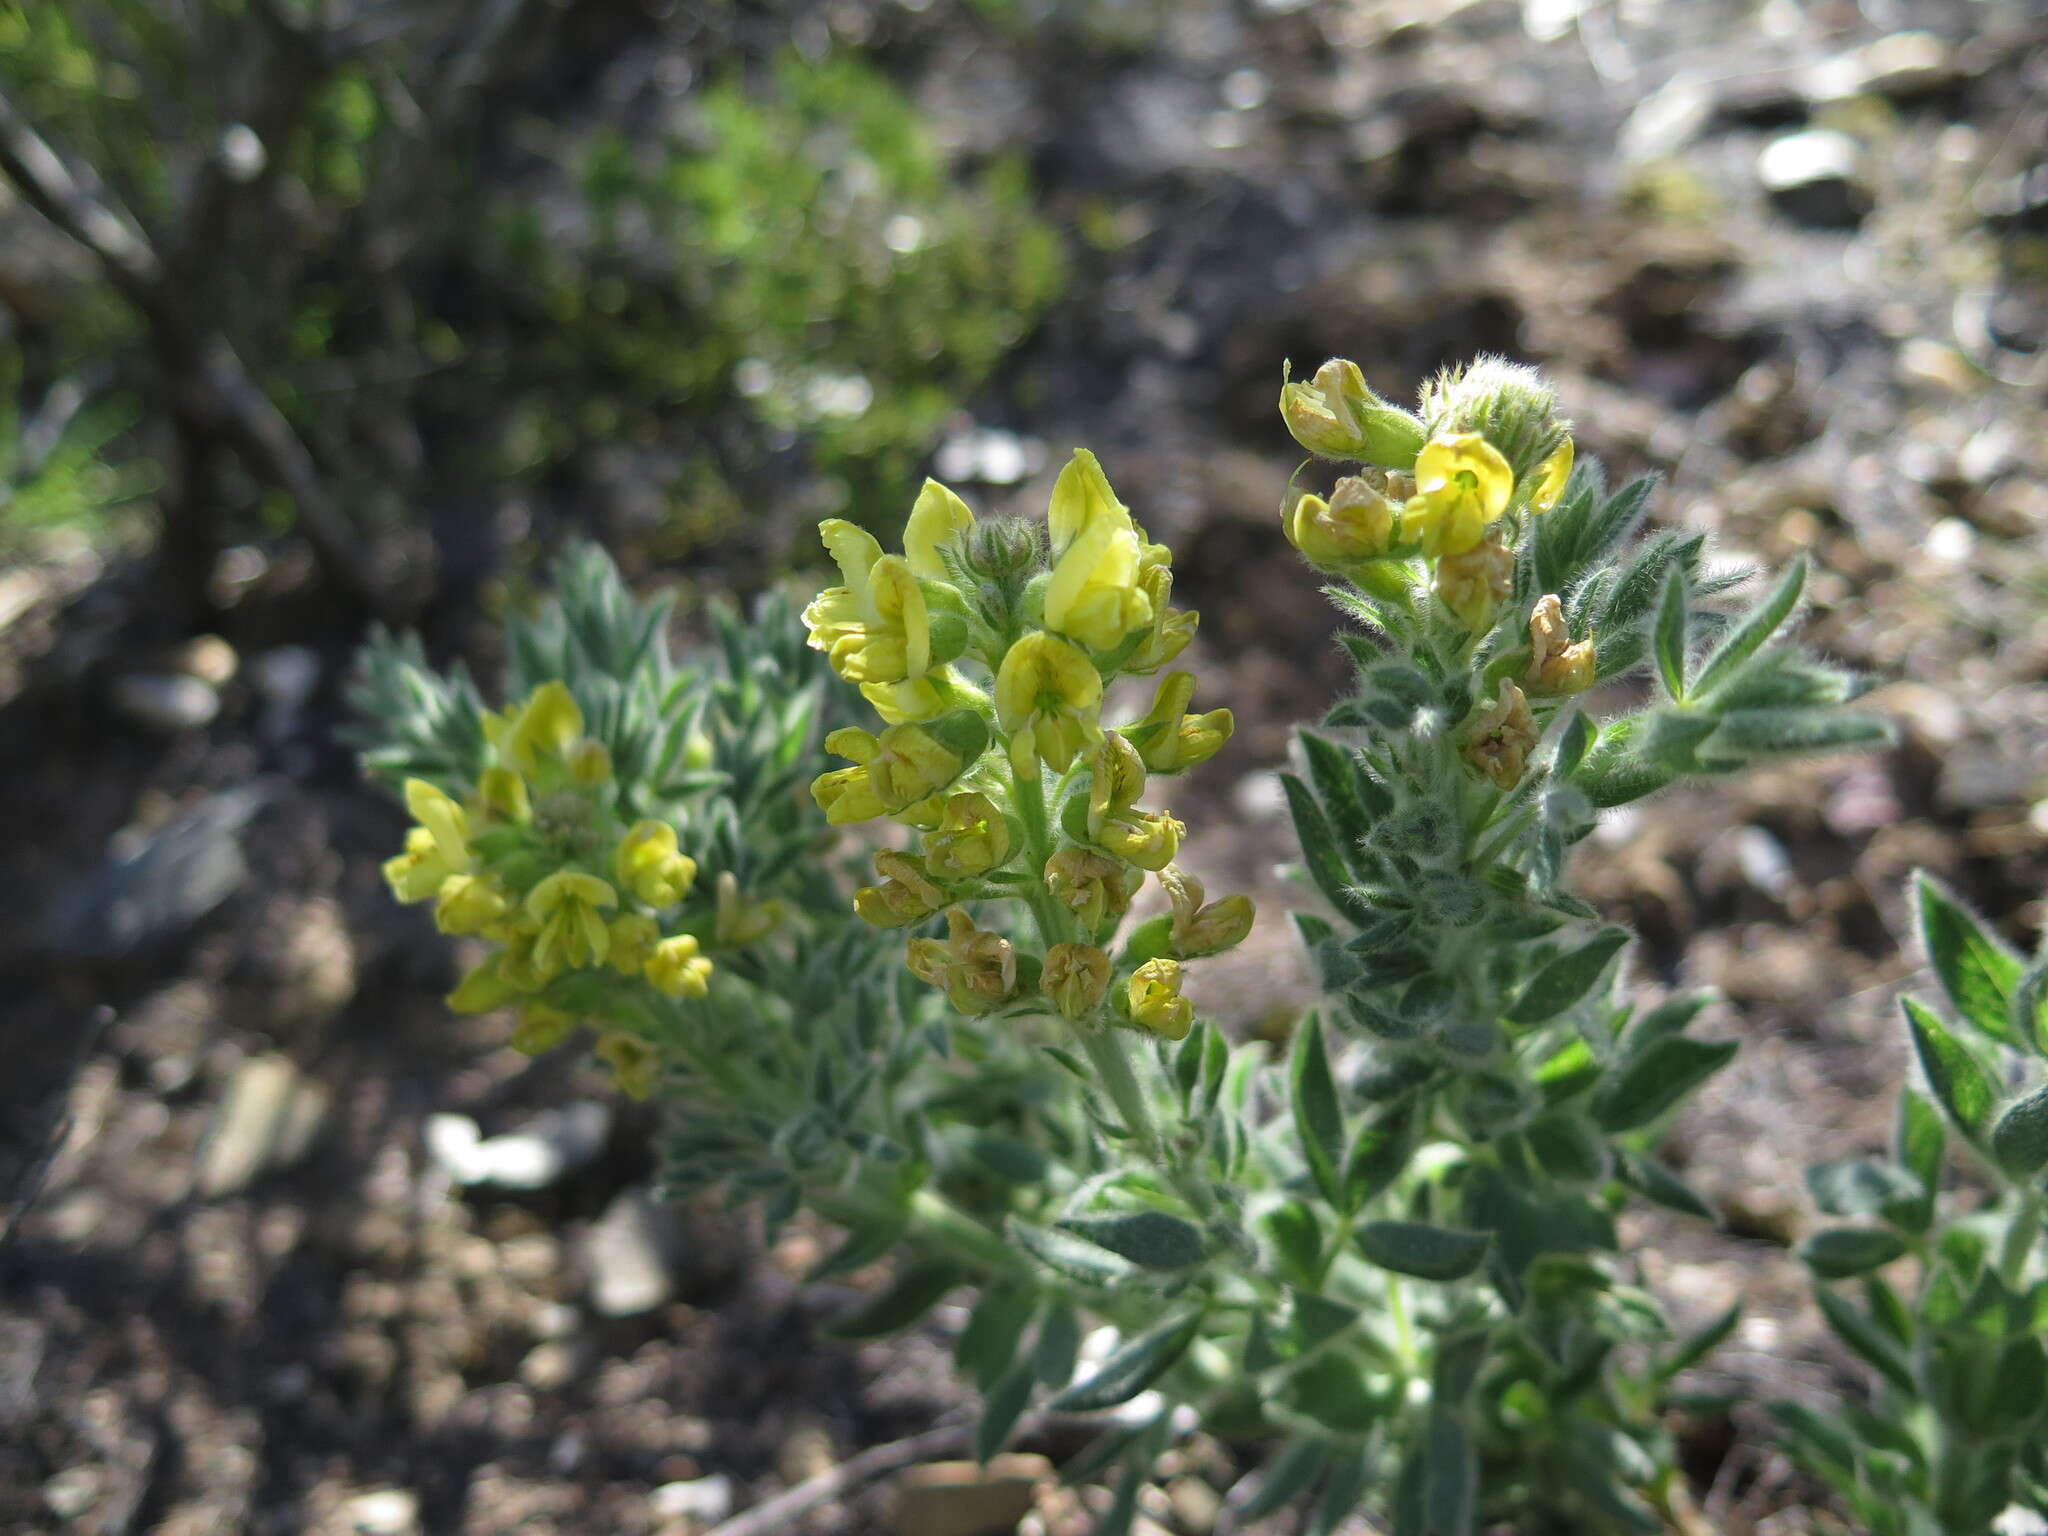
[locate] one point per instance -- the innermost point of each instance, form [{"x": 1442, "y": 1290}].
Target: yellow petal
[{"x": 939, "y": 517}]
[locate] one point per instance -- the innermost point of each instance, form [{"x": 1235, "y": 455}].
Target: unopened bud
[
  {"x": 1075, "y": 978},
  {"x": 1336, "y": 416}
]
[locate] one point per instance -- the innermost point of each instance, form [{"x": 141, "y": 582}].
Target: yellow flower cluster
[
  {"x": 987, "y": 650},
  {"x": 540, "y": 863},
  {"x": 1451, "y": 498}
]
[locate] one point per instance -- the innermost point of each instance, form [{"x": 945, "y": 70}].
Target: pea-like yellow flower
[
  {"x": 1075, "y": 978},
  {"x": 633, "y": 937},
  {"x": 738, "y": 921},
  {"x": 1336, "y": 416},
  {"x": 541, "y": 1027},
  {"x": 434, "y": 850},
  {"x": 635, "y": 1063},
  {"x": 1094, "y": 596},
  {"x": 977, "y": 970},
  {"x": 937, "y": 519},
  {"x": 906, "y": 895},
  {"x": 972, "y": 838},
  {"x": 484, "y": 989},
  {"x": 1472, "y": 584},
  {"x": 847, "y": 796},
  {"x": 590, "y": 763},
  {"x": 567, "y": 906},
  {"x": 1462, "y": 485},
  {"x": 1358, "y": 523},
  {"x": 905, "y": 764},
  {"x": 876, "y": 628},
  {"x": 1500, "y": 741},
  {"x": 677, "y": 968},
  {"x": 546, "y": 727},
  {"x": 1551, "y": 477},
  {"x": 1048, "y": 700},
  {"x": 1171, "y": 741},
  {"x": 1153, "y": 993},
  {"x": 503, "y": 796},
  {"x": 469, "y": 904},
  {"x": 1558, "y": 664},
  {"x": 1199, "y": 929},
  {"x": 520, "y": 963},
  {"x": 1116, "y": 778},
  {"x": 1091, "y": 885},
  {"x": 648, "y": 864}
]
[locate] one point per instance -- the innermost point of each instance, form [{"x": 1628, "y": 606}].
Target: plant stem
[
  {"x": 2020, "y": 1238},
  {"x": 934, "y": 1220}
]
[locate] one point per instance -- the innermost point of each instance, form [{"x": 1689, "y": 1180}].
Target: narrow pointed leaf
[
  {"x": 1149, "y": 1239},
  {"x": 1648, "y": 1085},
  {"x": 1976, "y": 971},
  {"x": 1318, "y": 1120},
  {"x": 2020, "y": 1139},
  {"x": 1865, "y": 1338},
  {"x": 1427, "y": 1252},
  {"x": 1567, "y": 980},
  {"x": 1132, "y": 1368},
  {"x": 915, "y": 1292},
  {"x": 1321, "y": 852},
  {"x": 1667, "y": 635},
  {"x": 1839, "y": 1252},
  {"x": 1748, "y": 636},
  {"x": 1961, "y": 1086}
]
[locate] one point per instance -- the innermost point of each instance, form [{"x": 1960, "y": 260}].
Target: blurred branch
[{"x": 211, "y": 391}]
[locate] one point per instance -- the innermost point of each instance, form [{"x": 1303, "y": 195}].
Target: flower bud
[
  {"x": 937, "y": 519},
  {"x": 1153, "y": 994},
  {"x": 742, "y": 922},
  {"x": 1091, "y": 885},
  {"x": 972, "y": 838},
  {"x": 1075, "y": 978},
  {"x": 1169, "y": 741},
  {"x": 976, "y": 970},
  {"x": 469, "y": 904},
  {"x": 1356, "y": 524},
  {"x": 635, "y": 1063},
  {"x": 676, "y": 969},
  {"x": 906, "y": 895},
  {"x": 546, "y": 727},
  {"x": 1500, "y": 741},
  {"x": 1557, "y": 663},
  {"x": 647, "y": 863},
  {"x": 541, "y": 1027},
  {"x": 633, "y": 937},
  {"x": 502, "y": 794},
  {"x": 1472, "y": 584},
  {"x": 1335, "y": 416},
  {"x": 1199, "y": 930},
  {"x": 1508, "y": 404},
  {"x": 1094, "y": 595},
  {"x": 1148, "y": 839},
  {"x": 846, "y": 796}
]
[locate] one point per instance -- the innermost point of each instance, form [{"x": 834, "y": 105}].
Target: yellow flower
[
  {"x": 548, "y": 725},
  {"x": 541, "y": 1027},
  {"x": 502, "y": 794},
  {"x": 1168, "y": 740},
  {"x": 846, "y": 796},
  {"x": 634, "y": 1062},
  {"x": 1091, "y": 885},
  {"x": 434, "y": 850},
  {"x": 876, "y": 628},
  {"x": 1048, "y": 698},
  {"x": 1500, "y": 741},
  {"x": 647, "y": 864},
  {"x": 977, "y": 970},
  {"x": 676, "y": 969},
  {"x": 633, "y": 937},
  {"x": 484, "y": 990},
  {"x": 906, "y": 895},
  {"x": 905, "y": 764},
  {"x": 1075, "y": 978},
  {"x": 1354, "y": 525},
  {"x": 1557, "y": 663},
  {"x": 1336, "y": 416},
  {"x": 972, "y": 838},
  {"x": 1117, "y": 777},
  {"x": 917, "y": 698},
  {"x": 1094, "y": 596},
  {"x": 742, "y": 922},
  {"x": 1551, "y": 477},
  {"x": 590, "y": 763},
  {"x": 936, "y": 519},
  {"x": 469, "y": 904},
  {"x": 1472, "y": 584},
  {"x": 566, "y": 905},
  {"x": 1199, "y": 930},
  {"x": 1462, "y": 485},
  {"x": 1153, "y": 993}
]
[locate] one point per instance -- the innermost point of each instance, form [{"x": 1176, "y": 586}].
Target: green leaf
[
  {"x": 1321, "y": 851},
  {"x": 863, "y": 1246},
  {"x": 1919, "y": 1143},
  {"x": 987, "y": 1346},
  {"x": 1058, "y": 1346},
  {"x": 1000, "y": 1410},
  {"x": 1018, "y": 1162},
  {"x": 1378, "y": 1156},
  {"x": 1332, "y": 1390},
  {"x": 1132, "y": 1368},
  {"x": 1103, "y": 1451},
  {"x": 1749, "y": 733},
  {"x": 1868, "y": 1340},
  {"x": 1299, "y": 1464},
  {"x": 915, "y": 1292},
  {"x": 1297, "y": 1238},
  {"x": 1342, "y": 787},
  {"x": 1071, "y": 1257},
  {"x": 1653, "y": 1181},
  {"x": 1961, "y": 1086},
  {"x": 1701, "y": 1344},
  {"x": 1667, "y": 634},
  {"x": 1567, "y": 979},
  {"x": 1149, "y": 1239},
  {"x": 2020, "y": 1139},
  {"x": 1302, "y": 1322},
  {"x": 1615, "y": 771},
  {"x": 2030, "y": 1006},
  {"x": 1451, "y": 1485},
  {"x": 1318, "y": 1120},
  {"x": 1858, "y": 1186},
  {"x": 1427, "y": 1252},
  {"x": 1745, "y": 638},
  {"x": 1976, "y": 971},
  {"x": 1646, "y": 1086},
  {"x": 1573, "y": 742},
  {"x": 1341, "y": 1493},
  {"x": 2020, "y": 1389},
  {"x": 1839, "y": 1252}
]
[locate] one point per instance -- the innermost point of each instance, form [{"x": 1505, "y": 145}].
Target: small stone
[
  {"x": 963, "y": 1498},
  {"x": 626, "y": 1255},
  {"x": 1667, "y": 119},
  {"x": 209, "y": 658},
  {"x": 266, "y": 1120},
  {"x": 1815, "y": 178},
  {"x": 1194, "y": 1503},
  {"x": 537, "y": 1155},
  {"x": 387, "y": 1512},
  {"x": 286, "y": 677},
  {"x": 170, "y": 703},
  {"x": 705, "y": 1500},
  {"x": 1922, "y": 361},
  {"x": 73, "y": 1491},
  {"x": 550, "y": 1366},
  {"x": 1901, "y": 67}
]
